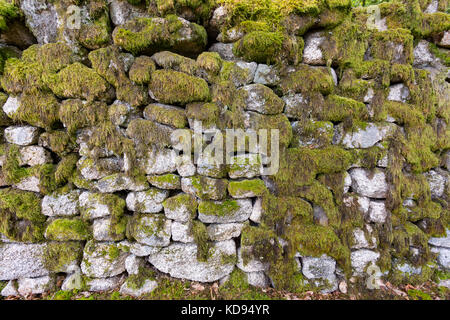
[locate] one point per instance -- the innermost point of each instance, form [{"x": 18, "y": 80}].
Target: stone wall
[{"x": 91, "y": 187}]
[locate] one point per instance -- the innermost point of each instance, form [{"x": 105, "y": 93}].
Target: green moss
[
  {"x": 338, "y": 108},
  {"x": 307, "y": 79},
  {"x": 383, "y": 46},
  {"x": 404, "y": 114},
  {"x": 218, "y": 208},
  {"x": 8, "y": 11},
  {"x": 170, "y": 60},
  {"x": 259, "y": 46},
  {"x": 78, "y": 81},
  {"x": 245, "y": 188},
  {"x": 65, "y": 168},
  {"x": 167, "y": 181},
  {"x": 418, "y": 295},
  {"x": 200, "y": 234},
  {"x": 237, "y": 287},
  {"x": 299, "y": 166},
  {"x": 210, "y": 62},
  {"x": 59, "y": 255},
  {"x": 20, "y": 215},
  {"x": 168, "y": 115},
  {"x": 313, "y": 134},
  {"x": 68, "y": 229},
  {"x": 145, "y": 34},
  {"x": 136, "y": 281},
  {"x": 11, "y": 169},
  {"x": 38, "y": 108},
  {"x": 174, "y": 87},
  {"x": 36, "y": 63},
  {"x": 207, "y": 113},
  {"x": 442, "y": 54},
  {"x": 182, "y": 201},
  {"x": 147, "y": 132},
  {"x": 97, "y": 34},
  {"x": 141, "y": 70},
  {"x": 59, "y": 142}
]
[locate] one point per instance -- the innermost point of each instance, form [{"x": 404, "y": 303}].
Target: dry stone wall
[{"x": 92, "y": 188}]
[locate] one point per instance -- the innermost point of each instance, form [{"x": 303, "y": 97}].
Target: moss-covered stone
[
  {"x": 79, "y": 82},
  {"x": 247, "y": 188},
  {"x": 306, "y": 79},
  {"x": 147, "y": 132},
  {"x": 167, "y": 181},
  {"x": 207, "y": 113},
  {"x": 38, "y": 108},
  {"x": 141, "y": 70},
  {"x": 76, "y": 114},
  {"x": 174, "y": 87},
  {"x": 259, "y": 46},
  {"x": 20, "y": 215},
  {"x": 173, "y": 61},
  {"x": 148, "y": 35},
  {"x": 338, "y": 108},
  {"x": 169, "y": 115},
  {"x": 68, "y": 229},
  {"x": 96, "y": 34}
]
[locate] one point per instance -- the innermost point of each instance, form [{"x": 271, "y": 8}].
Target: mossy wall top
[{"x": 90, "y": 185}]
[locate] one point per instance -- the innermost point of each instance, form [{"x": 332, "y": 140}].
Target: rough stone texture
[
  {"x": 133, "y": 264},
  {"x": 256, "y": 211},
  {"x": 240, "y": 213},
  {"x": 360, "y": 241},
  {"x": 122, "y": 11},
  {"x": 120, "y": 182},
  {"x": 10, "y": 290},
  {"x": 61, "y": 204},
  {"x": 361, "y": 258},
  {"x": 33, "y": 156},
  {"x": 27, "y": 286},
  {"x": 149, "y": 201},
  {"x": 95, "y": 170},
  {"x": 266, "y": 75},
  {"x": 437, "y": 180},
  {"x": 103, "y": 260},
  {"x": 422, "y": 54},
  {"x": 92, "y": 206},
  {"x": 11, "y": 106},
  {"x": 160, "y": 162},
  {"x": 104, "y": 284},
  {"x": 251, "y": 265},
  {"x": 222, "y": 232},
  {"x": 377, "y": 212},
  {"x": 398, "y": 92},
  {"x": 152, "y": 230},
  {"x": 101, "y": 229},
  {"x": 245, "y": 166},
  {"x": 370, "y": 184},
  {"x": 318, "y": 267},
  {"x": 214, "y": 189},
  {"x": 20, "y": 260},
  {"x": 225, "y": 50},
  {"x": 22, "y": 136},
  {"x": 258, "y": 279},
  {"x": 180, "y": 261},
  {"x": 312, "y": 54},
  {"x": 443, "y": 258},
  {"x": 146, "y": 288},
  {"x": 181, "y": 232},
  {"x": 441, "y": 242},
  {"x": 363, "y": 137},
  {"x": 41, "y": 18}
]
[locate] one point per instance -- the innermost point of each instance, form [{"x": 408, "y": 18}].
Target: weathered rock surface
[{"x": 180, "y": 261}]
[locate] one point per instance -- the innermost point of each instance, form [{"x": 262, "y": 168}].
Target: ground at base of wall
[{"x": 173, "y": 289}]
